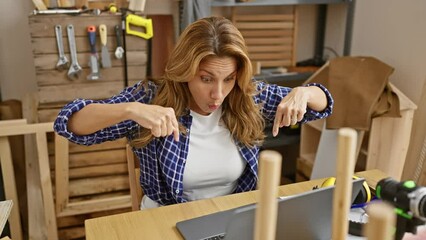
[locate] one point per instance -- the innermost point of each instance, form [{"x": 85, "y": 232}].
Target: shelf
[
  {"x": 279, "y": 78},
  {"x": 217, "y": 3}
]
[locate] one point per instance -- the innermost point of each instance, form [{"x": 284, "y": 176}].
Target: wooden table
[{"x": 159, "y": 223}]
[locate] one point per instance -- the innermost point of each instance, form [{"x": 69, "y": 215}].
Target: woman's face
[{"x": 214, "y": 80}]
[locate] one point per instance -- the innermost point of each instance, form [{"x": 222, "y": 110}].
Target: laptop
[{"x": 303, "y": 216}]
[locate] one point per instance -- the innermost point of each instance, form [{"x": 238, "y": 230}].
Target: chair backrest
[{"x": 134, "y": 178}]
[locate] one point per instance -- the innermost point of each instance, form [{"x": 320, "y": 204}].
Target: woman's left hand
[{"x": 291, "y": 109}]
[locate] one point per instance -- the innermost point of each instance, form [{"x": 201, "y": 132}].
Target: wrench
[
  {"x": 75, "y": 69},
  {"x": 119, "y": 50},
  {"x": 63, "y": 61}
]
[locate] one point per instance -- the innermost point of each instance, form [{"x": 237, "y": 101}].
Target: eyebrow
[{"x": 234, "y": 72}]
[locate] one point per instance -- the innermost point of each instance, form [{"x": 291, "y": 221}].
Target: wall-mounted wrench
[
  {"x": 93, "y": 62},
  {"x": 63, "y": 62},
  {"x": 75, "y": 69},
  {"x": 119, "y": 51}
]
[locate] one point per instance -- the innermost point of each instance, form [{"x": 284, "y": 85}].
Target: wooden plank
[
  {"x": 416, "y": 156},
  {"x": 26, "y": 129},
  {"x": 61, "y": 173},
  {"x": 265, "y": 17},
  {"x": 48, "y": 115},
  {"x": 268, "y": 41},
  {"x": 76, "y": 220},
  {"x": 96, "y": 205},
  {"x": 134, "y": 182},
  {"x": 36, "y": 223},
  {"x": 98, "y": 185},
  {"x": 12, "y": 122},
  {"x": 46, "y": 186},
  {"x": 98, "y": 171},
  {"x": 5, "y": 209},
  {"x": 10, "y": 187},
  {"x": 72, "y": 233},
  {"x": 295, "y": 30},
  {"x": 388, "y": 145},
  {"x": 275, "y": 63},
  {"x": 279, "y": 48},
  {"x": 118, "y": 144},
  {"x": 266, "y": 56},
  {"x": 52, "y": 78},
  {"x": 42, "y": 25},
  {"x": 77, "y": 199},
  {"x": 305, "y": 164},
  {"x": 267, "y": 33},
  {"x": 88, "y": 91},
  {"x": 97, "y": 158},
  {"x": 48, "y": 61},
  {"x": 265, "y": 25},
  {"x": 47, "y": 45}
]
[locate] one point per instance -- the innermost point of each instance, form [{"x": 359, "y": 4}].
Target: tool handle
[
  {"x": 118, "y": 35},
  {"x": 140, "y": 22},
  {"x": 91, "y": 30},
  {"x": 103, "y": 34}
]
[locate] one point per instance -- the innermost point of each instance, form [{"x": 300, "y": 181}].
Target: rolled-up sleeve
[
  {"x": 119, "y": 130},
  {"x": 270, "y": 95},
  {"x": 310, "y": 114}
]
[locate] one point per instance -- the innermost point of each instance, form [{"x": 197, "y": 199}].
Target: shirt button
[
  {"x": 177, "y": 191},
  {"x": 187, "y": 130}
]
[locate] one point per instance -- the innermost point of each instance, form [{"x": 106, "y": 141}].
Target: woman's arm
[
  {"x": 94, "y": 117},
  {"x": 293, "y": 106},
  {"x": 316, "y": 97}
]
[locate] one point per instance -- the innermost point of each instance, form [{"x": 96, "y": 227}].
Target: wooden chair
[
  {"x": 134, "y": 178},
  {"x": 46, "y": 206},
  {"x": 10, "y": 190}
]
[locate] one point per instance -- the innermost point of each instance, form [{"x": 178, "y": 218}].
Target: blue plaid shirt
[{"x": 162, "y": 161}]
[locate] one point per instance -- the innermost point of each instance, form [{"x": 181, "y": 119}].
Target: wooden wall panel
[
  {"x": 270, "y": 38},
  {"x": 96, "y": 174}
]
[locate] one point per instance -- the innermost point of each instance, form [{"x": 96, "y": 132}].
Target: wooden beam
[{"x": 10, "y": 187}]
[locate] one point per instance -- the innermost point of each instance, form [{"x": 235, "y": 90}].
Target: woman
[{"x": 197, "y": 131}]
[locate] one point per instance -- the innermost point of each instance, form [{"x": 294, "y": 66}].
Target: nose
[{"x": 217, "y": 91}]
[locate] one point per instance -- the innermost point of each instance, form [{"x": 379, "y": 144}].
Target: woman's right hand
[{"x": 160, "y": 120}]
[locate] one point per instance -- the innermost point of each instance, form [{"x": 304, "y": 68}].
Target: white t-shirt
[{"x": 213, "y": 164}]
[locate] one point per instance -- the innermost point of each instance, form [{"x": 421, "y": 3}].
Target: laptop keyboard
[{"x": 217, "y": 237}]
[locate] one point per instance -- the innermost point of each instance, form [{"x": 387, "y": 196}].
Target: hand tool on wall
[
  {"x": 58, "y": 11},
  {"x": 93, "y": 62},
  {"x": 63, "y": 62},
  {"x": 126, "y": 21},
  {"x": 119, "y": 50},
  {"x": 75, "y": 69},
  {"x": 106, "y": 60},
  {"x": 134, "y": 20}
]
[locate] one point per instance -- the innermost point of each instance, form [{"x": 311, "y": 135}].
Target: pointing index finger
[{"x": 275, "y": 128}]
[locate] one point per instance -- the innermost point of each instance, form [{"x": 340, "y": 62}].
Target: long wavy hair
[{"x": 212, "y": 36}]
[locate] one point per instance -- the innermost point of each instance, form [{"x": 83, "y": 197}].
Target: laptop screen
[{"x": 303, "y": 216}]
